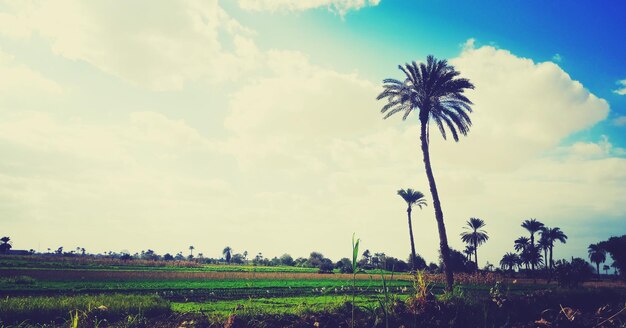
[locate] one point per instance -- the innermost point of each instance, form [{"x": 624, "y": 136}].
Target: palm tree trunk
[
  {"x": 476, "y": 255},
  {"x": 598, "y": 267},
  {"x": 413, "y": 257},
  {"x": 443, "y": 239},
  {"x": 551, "y": 262}
]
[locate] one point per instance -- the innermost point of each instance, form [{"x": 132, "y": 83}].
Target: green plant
[{"x": 355, "y": 255}]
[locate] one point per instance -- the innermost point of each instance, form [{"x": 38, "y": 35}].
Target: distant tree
[
  {"x": 326, "y": 266},
  {"x": 168, "y": 257},
  {"x": 419, "y": 264},
  {"x": 571, "y": 274},
  {"x": 412, "y": 198},
  {"x": 533, "y": 226},
  {"x": 286, "y": 259},
  {"x": 367, "y": 256},
  {"x": 468, "y": 251},
  {"x": 237, "y": 259},
  {"x": 552, "y": 235},
  {"x": 59, "y": 250},
  {"x": 245, "y": 256},
  {"x": 191, "y": 248},
  {"x": 315, "y": 259},
  {"x": 396, "y": 265},
  {"x": 433, "y": 268},
  {"x": 433, "y": 90},
  {"x": 300, "y": 262},
  {"x": 531, "y": 256},
  {"x": 606, "y": 269},
  {"x": 597, "y": 255},
  {"x": 474, "y": 235},
  {"x": 509, "y": 261},
  {"x": 616, "y": 247},
  {"x": 227, "y": 252},
  {"x": 344, "y": 265},
  {"x": 458, "y": 262},
  {"x": 6, "y": 246},
  {"x": 275, "y": 261}
]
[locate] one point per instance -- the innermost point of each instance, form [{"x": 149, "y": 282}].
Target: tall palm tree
[
  {"x": 509, "y": 261},
  {"x": 474, "y": 235},
  {"x": 597, "y": 255},
  {"x": 412, "y": 197},
  {"x": 532, "y": 226},
  {"x": 435, "y": 91},
  {"x": 552, "y": 235},
  {"x": 191, "y": 248},
  {"x": 228, "y": 253}
]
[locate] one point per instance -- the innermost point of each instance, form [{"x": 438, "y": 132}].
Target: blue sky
[{"x": 246, "y": 123}]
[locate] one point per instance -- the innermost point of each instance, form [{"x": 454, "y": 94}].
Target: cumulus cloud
[
  {"x": 159, "y": 47},
  {"x": 319, "y": 135},
  {"x": 338, "y": 6},
  {"x": 621, "y": 90}
]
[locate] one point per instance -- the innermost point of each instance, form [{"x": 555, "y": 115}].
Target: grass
[
  {"x": 105, "y": 307},
  {"x": 274, "y": 305}
]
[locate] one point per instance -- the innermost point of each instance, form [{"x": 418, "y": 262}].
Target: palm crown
[
  {"x": 474, "y": 235},
  {"x": 434, "y": 89},
  {"x": 412, "y": 197},
  {"x": 532, "y": 226}
]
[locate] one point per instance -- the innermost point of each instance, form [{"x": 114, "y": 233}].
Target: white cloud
[
  {"x": 620, "y": 121},
  {"x": 622, "y": 88},
  {"x": 18, "y": 80},
  {"x": 318, "y": 135},
  {"x": 339, "y": 6},
  {"x": 159, "y": 47}
]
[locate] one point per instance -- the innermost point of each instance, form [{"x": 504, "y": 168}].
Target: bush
[{"x": 572, "y": 274}]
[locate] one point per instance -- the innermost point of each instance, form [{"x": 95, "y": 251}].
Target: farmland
[{"x": 42, "y": 290}]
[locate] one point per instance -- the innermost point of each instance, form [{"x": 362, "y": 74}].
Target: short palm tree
[
  {"x": 435, "y": 91},
  {"x": 544, "y": 245},
  {"x": 474, "y": 235},
  {"x": 532, "y": 226},
  {"x": 597, "y": 255},
  {"x": 6, "y": 246},
  {"x": 552, "y": 235},
  {"x": 531, "y": 256},
  {"x": 227, "y": 252},
  {"x": 468, "y": 251},
  {"x": 606, "y": 269},
  {"x": 412, "y": 197},
  {"x": 521, "y": 244},
  {"x": 509, "y": 261}
]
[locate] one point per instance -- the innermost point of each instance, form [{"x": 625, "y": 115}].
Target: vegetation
[
  {"x": 412, "y": 197},
  {"x": 436, "y": 92},
  {"x": 474, "y": 236}
]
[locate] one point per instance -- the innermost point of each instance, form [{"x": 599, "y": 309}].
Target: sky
[{"x": 127, "y": 126}]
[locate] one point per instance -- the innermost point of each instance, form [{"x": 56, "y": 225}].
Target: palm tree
[
  {"x": 606, "y": 269},
  {"x": 227, "y": 253},
  {"x": 509, "y": 261},
  {"x": 552, "y": 235},
  {"x": 412, "y": 197},
  {"x": 521, "y": 243},
  {"x": 532, "y": 226},
  {"x": 469, "y": 250},
  {"x": 191, "y": 248},
  {"x": 6, "y": 246},
  {"x": 474, "y": 236},
  {"x": 531, "y": 256},
  {"x": 435, "y": 91},
  {"x": 544, "y": 245},
  {"x": 597, "y": 255}
]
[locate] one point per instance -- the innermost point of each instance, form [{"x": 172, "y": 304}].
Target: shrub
[{"x": 571, "y": 274}]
